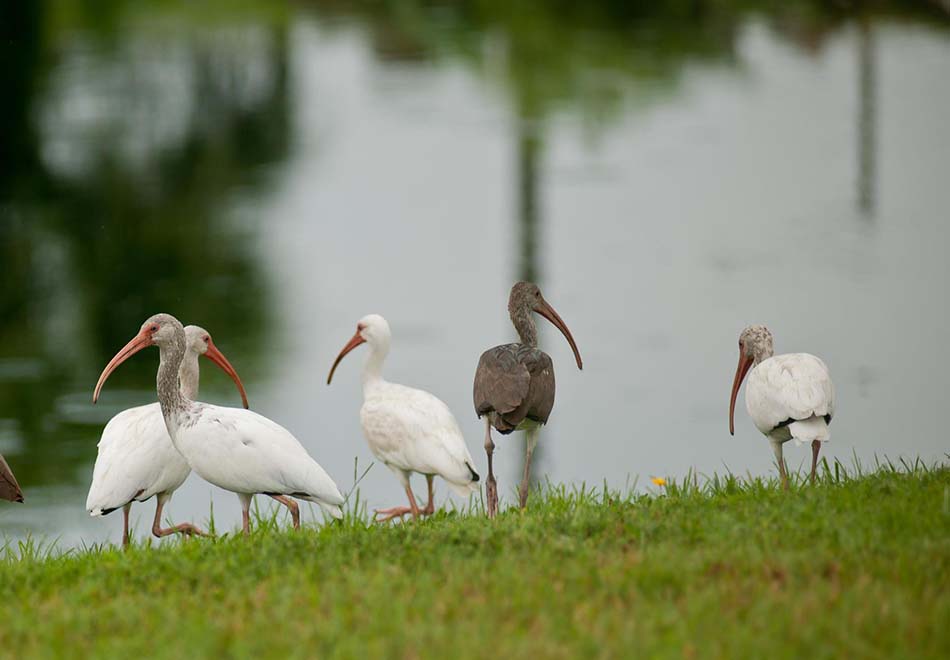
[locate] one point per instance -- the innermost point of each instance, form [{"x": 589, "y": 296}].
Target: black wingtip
[{"x": 475, "y": 476}]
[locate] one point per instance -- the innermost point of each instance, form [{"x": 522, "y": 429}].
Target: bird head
[
  {"x": 755, "y": 345},
  {"x": 526, "y": 297},
  {"x": 164, "y": 330},
  {"x": 372, "y": 329}
]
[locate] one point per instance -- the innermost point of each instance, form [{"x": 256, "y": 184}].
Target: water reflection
[
  {"x": 867, "y": 115},
  {"x": 253, "y": 172},
  {"x": 122, "y": 162}
]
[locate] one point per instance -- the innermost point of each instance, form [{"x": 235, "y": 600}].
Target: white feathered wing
[
  {"x": 796, "y": 387},
  {"x": 414, "y": 431},
  {"x": 243, "y": 452}
]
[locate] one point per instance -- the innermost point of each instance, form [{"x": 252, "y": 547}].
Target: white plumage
[
  {"x": 794, "y": 386},
  {"x": 411, "y": 430},
  {"x": 787, "y": 396},
  {"x": 246, "y": 453},
  {"x": 232, "y": 448},
  {"x": 136, "y": 461},
  {"x": 136, "y": 458},
  {"x": 407, "y": 429}
]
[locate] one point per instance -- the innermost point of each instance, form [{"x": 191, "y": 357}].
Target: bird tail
[
  {"x": 333, "y": 509},
  {"x": 464, "y": 488},
  {"x": 805, "y": 431}
]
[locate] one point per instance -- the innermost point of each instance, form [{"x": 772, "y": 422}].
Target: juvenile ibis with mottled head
[
  {"x": 514, "y": 383},
  {"x": 788, "y": 397}
]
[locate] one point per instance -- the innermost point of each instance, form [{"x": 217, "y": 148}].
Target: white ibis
[
  {"x": 136, "y": 457},
  {"x": 514, "y": 383},
  {"x": 408, "y": 430},
  {"x": 789, "y": 397},
  {"x": 232, "y": 448},
  {"x": 9, "y": 488}
]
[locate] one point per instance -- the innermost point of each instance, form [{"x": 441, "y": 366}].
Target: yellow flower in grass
[{"x": 658, "y": 481}]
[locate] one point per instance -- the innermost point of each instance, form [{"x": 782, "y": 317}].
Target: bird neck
[
  {"x": 373, "y": 367},
  {"x": 170, "y": 397},
  {"x": 760, "y": 357},
  {"x": 762, "y": 351},
  {"x": 523, "y": 321},
  {"x": 188, "y": 374}
]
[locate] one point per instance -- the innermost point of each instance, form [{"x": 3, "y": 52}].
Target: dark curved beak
[
  {"x": 218, "y": 358},
  {"x": 545, "y": 310},
  {"x": 142, "y": 340},
  {"x": 355, "y": 341},
  {"x": 744, "y": 364}
]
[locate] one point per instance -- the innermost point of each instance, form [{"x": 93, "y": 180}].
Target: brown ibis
[
  {"x": 514, "y": 383},
  {"x": 9, "y": 488}
]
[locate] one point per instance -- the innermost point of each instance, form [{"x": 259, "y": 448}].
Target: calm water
[{"x": 275, "y": 174}]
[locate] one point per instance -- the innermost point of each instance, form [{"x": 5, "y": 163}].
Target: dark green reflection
[{"x": 127, "y": 139}]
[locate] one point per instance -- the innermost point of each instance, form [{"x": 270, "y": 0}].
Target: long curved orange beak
[
  {"x": 744, "y": 364},
  {"x": 545, "y": 310},
  {"x": 142, "y": 340},
  {"x": 355, "y": 341},
  {"x": 218, "y": 358}
]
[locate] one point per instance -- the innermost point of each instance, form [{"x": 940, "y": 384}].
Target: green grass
[{"x": 856, "y": 566}]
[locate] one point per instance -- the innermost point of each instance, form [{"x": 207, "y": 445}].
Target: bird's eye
[
  {"x": 154, "y": 328},
  {"x": 206, "y": 338}
]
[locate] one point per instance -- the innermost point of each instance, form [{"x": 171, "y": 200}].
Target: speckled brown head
[
  {"x": 525, "y": 297},
  {"x": 755, "y": 345}
]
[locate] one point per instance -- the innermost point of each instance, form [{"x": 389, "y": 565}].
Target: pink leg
[
  {"x": 430, "y": 505},
  {"x": 290, "y": 504},
  {"x": 400, "y": 511},
  {"x": 184, "y": 528},
  {"x": 245, "y": 512}
]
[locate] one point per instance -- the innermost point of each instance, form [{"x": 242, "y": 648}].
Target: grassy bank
[{"x": 853, "y": 566}]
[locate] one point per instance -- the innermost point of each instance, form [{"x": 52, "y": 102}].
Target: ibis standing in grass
[
  {"x": 136, "y": 457},
  {"x": 9, "y": 488},
  {"x": 232, "y": 448},
  {"x": 409, "y": 430},
  {"x": 789, "y": 397},
  {"x": 514, "y": 383}
]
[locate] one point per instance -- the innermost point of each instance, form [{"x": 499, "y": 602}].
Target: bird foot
[
  {"x": 389, "y": 514},
  {"x": 184, "y": 528},
  {"x": 491, "y": 496},
  {"x": 429, "y": 510}
]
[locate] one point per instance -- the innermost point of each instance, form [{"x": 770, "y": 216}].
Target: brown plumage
[
  {"x": 514, "y": 383},
  {"x": 9, "y": 488}
]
